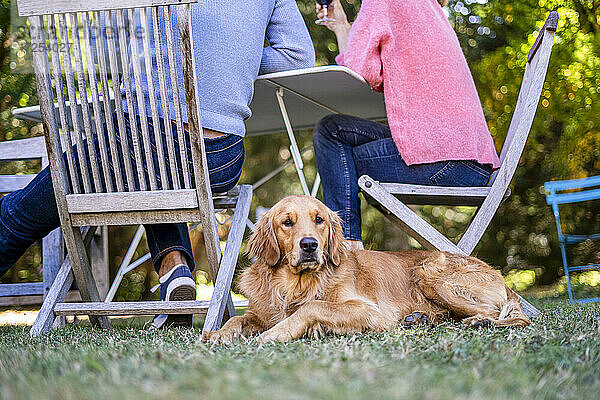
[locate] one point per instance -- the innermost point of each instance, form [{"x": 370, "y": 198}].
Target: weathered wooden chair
[
  {"x": 61, "y": 32},
  {"x": 52, "y": 246},
  {"x": 390, "y": 198}
]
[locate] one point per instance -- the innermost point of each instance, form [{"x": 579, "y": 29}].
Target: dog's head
[{"x": 299, "y": 232}]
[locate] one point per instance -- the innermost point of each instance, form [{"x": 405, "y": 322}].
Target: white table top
[{"x": 309, "y": 95}]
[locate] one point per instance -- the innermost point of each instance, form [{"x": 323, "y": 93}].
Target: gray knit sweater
[{"x": 229, "y": 44}]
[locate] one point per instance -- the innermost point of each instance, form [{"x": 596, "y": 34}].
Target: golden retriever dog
[{"x": 305, "y": 281}]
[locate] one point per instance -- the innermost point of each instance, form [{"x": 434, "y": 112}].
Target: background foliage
[{"x": 495, "y": 36}]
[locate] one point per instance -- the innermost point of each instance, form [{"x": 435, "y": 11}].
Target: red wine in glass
[{"x": 325, "y": 19}]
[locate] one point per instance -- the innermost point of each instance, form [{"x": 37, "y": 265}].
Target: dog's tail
[{"x": 511, "y": 313}]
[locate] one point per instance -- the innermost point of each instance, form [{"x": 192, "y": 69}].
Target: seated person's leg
[{"x": 334, "y": 138}]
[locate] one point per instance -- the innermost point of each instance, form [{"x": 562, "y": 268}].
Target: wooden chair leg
[
  {"x": 58, "y": 291},
  {"x": 53, "y": 255},
  {"x": 82, "y": 271},
  {"x": 221, "y": 295},
  {"x": 45, "y": 320},
  {"x": 52, "y": 258}
]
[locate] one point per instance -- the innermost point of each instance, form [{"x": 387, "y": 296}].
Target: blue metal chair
[{"x": 554, "y": 197}]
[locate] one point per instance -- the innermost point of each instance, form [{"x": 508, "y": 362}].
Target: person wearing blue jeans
[
  {"x": 437, "y": 133},
  {"x": 230, "y": 53},
  {"x": 348, "y": 147}
]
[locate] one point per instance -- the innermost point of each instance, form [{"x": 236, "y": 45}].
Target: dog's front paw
[
  {"x": 477, "y": 321},
  {"x": 219, "y": 337},
  {"x": 274, "y": 335}
]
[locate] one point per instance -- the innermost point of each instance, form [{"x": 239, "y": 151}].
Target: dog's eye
[
  {"x": 288, "y": 222},
  {"x": 319, "y": 220}
]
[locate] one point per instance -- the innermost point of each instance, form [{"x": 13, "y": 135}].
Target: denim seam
[
  {"x": 377, "y": 157},
  {"x": 229, "y": 164},
  {"x": 348, "y": 191},
  {"x": 227, "y": 182},
  {"x": 162, "y": 252},
  {"x": 475, "y": 169},
  {"x": 224, "y": 148},
  {"x": 441, "y": 173},
  {"x": 7, "y": 227},
  {"x": 351, "y": 130}
]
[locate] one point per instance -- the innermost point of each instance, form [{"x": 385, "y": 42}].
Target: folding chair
[
  {"x": 61, "y": 32},
  {"x": 52, "y": 245},
  {"x": 554, "y": 197},
  {"x": 390, "y": 198}
]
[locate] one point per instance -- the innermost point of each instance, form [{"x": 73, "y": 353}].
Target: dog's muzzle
[{"x": 309, "y": 256}]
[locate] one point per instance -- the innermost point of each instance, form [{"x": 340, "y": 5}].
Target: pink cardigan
[{"x": 409, "y": 48}]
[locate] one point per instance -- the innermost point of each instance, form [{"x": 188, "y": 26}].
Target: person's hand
[{"x": 335, "y": 11}]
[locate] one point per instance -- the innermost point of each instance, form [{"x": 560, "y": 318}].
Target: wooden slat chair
[
  {"x": 391, "y": 198},
  {"x": 133, "y": 194},
  {"x": 52, "y": 246}
]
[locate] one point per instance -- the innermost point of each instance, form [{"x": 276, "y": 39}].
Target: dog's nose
[{"x": 309, "y": 244}]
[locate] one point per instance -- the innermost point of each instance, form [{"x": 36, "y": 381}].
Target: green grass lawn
[{"x": 557, "y": 357}]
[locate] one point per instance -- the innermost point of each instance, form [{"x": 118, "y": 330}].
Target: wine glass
[{"x": 325, "y": 19}]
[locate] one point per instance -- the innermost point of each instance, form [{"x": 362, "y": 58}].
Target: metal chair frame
[{"x": 554, "y": 198}]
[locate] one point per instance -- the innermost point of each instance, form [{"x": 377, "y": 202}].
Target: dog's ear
[
  {"x": 263, "y": 242},
  {"x": 337, "y": 244}
]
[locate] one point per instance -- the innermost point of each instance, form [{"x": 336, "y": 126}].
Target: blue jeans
[
  {"x": 348, "y": 147},
  {"x": 29, "y": 214}
]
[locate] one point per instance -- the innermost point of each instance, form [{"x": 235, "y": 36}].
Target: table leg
[{"x": 293, "y": 143}]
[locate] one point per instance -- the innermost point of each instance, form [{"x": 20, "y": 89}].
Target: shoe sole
[{"x": 182, "y": 293}]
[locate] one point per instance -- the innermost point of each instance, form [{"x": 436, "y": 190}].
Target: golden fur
[{"x": 332, "y": 290}]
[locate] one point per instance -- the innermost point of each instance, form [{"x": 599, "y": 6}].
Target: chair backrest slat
[
  {"x": 137, "y": 75},
  {"x": 527, "y": 102},
  {"x": 85, "y": 109},
  {"x": 176, "y": 93},
  {"x": 106, "y": 94},
  {"x": 158, "y": 135},
  {"x": 98, "y": 120},
  {"x": 67, "y": 144},
  {"x": 113, "y": 33},
  {"x": 75, "y": 117},
  {"x": 164, "y": 98},
  {"x": 123, "y": 44}
]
